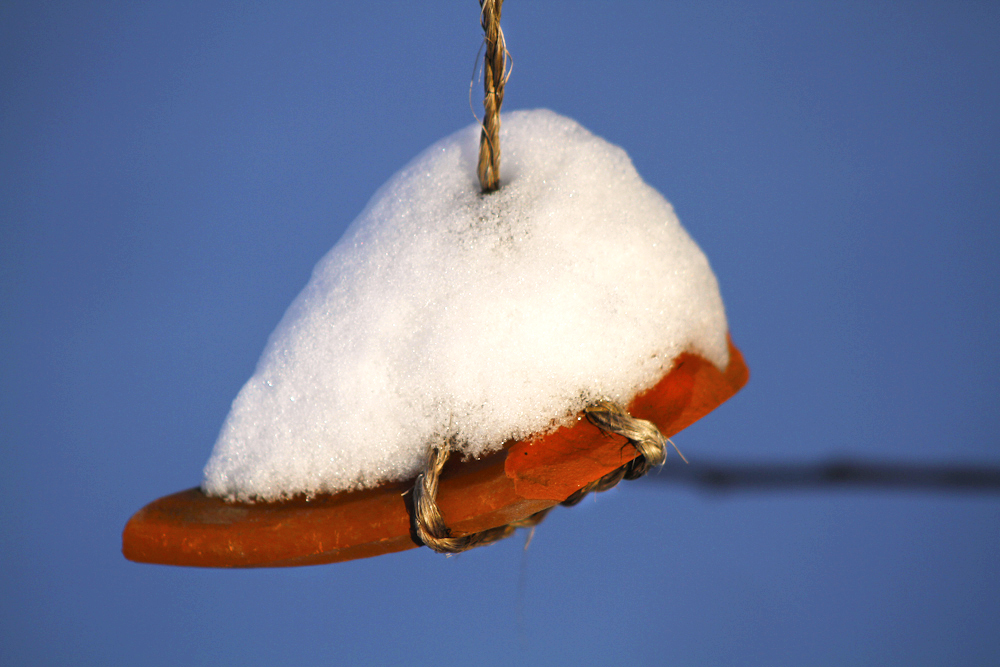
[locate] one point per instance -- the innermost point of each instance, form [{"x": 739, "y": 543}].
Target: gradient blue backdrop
[{"x": 170, "y": 172}]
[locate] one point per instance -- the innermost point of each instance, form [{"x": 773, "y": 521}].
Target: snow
[{"x": 444, "y": 312}]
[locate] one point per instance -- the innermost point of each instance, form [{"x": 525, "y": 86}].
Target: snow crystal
[{"x": 445, "y": 312}]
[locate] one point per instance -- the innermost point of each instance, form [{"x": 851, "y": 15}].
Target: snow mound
[{"x": 444, "y": 312}]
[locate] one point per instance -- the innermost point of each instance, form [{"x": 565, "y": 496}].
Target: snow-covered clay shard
[
  {"x": 446, "y": 313},
  {"x": 486, "y": 323}
]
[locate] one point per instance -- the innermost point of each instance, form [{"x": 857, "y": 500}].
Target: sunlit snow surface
[{"x": 446, "y": 312}]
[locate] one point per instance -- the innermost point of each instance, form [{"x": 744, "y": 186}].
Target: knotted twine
[{"x": 608, "y": 416}]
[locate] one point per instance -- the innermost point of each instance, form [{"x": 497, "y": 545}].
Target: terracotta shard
[{"x": 192, "y": 529}]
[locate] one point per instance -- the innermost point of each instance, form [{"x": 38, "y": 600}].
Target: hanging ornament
[{"x": 482, "y": 345}]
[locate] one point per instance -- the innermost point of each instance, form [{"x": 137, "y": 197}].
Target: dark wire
[{"x": 833, "y": 474}]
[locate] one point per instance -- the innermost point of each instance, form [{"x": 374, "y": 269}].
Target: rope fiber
[
  {"x": 430, "y": 528},
  {"x": 428, "y": 523},
  {"x": 494, "y": 78}
]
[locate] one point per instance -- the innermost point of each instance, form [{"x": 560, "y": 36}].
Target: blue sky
[{"x": 170, "y": 172}]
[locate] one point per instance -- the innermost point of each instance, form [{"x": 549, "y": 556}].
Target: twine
[
  {"x": 642, "y": 434},
  {"x": 429, "y": 525},
  {"x": 494, "y": 78}
]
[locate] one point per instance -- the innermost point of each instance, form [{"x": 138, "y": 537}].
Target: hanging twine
[
  {"x": 494, "y": 78},
  {"x": 610, "y": 417},
  {"x": 428, "y": 524}
]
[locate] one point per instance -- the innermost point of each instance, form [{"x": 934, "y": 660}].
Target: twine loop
[
  {"x": 429, "y": 525},
  {"x": 430, "y": 528},
  {"x": 642, "y": 434}
]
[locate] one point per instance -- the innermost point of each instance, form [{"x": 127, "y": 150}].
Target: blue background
[{"x": 170, "y": 172}]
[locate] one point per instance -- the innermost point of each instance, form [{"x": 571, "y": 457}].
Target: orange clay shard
[{"x": 192, "y": 529}]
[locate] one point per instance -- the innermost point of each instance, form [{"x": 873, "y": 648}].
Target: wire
[{"x": 835, "y": 473}]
